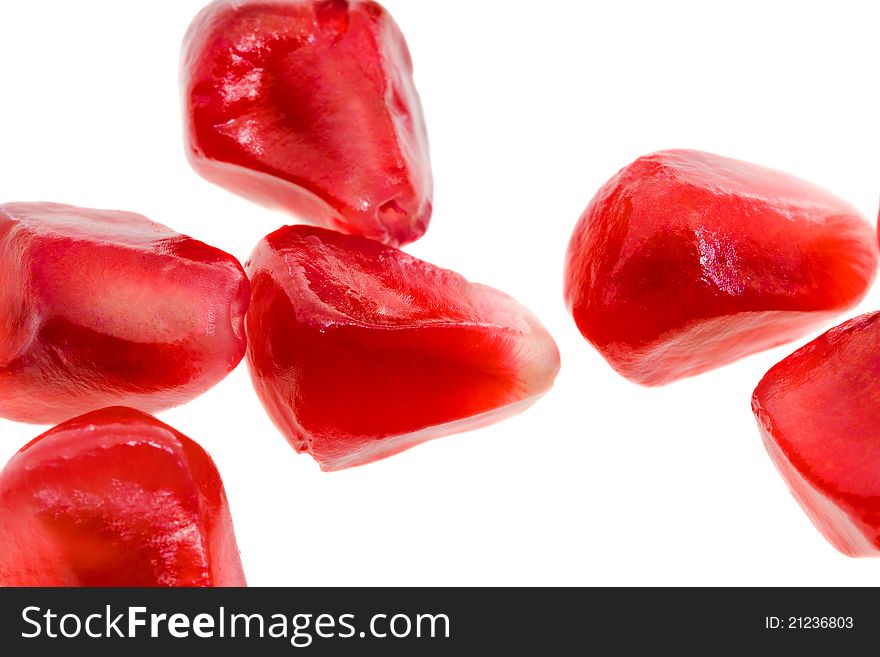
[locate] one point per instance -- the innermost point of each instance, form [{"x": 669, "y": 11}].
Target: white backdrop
[{"x": 531, "y": 106}]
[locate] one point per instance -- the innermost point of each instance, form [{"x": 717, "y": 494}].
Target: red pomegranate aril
[
  {"x": 819, "y": 415},
  {"x": 115, "y": 498},
  {"x": 359, "y": 351},
  {"x": 101, "y": 308},
  {"x": 685, "y": 261},
  {"x": 309, "y": 106}
]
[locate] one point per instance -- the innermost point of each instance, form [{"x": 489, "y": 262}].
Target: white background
[{"x": 531, "y": 106}]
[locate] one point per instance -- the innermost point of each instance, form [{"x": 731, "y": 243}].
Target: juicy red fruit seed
[
  {"x": 115, "y": 498},
  {"x": 359, "y": 351},
  {"x": 310, "y": 107},
  {"x": 101, "y": 308},
  {"x": 819, "y": 415},
  {"x": 685, "y": 261}
]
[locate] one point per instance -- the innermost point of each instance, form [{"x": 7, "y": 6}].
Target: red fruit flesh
[
  {"x": 359, "y": 351},
  {"x": 819, "y": 415},
  {"x": 685, "y": 261},
  {"x": 310, "y": 107},
  {"x": 100, "y": 308},
  {"x": 115, "y": 498}
]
